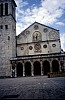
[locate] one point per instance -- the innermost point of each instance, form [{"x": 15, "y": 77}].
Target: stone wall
[
  {"x": 7, "y": 43},
  {"x": 44, "y": 43}
]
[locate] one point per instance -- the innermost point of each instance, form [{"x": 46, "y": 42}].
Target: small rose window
[
  {"x": 45, "y": 46},
  {"x": 53, "y": 45},
  {"x": 30, "y": 47},
  {"x": 36, "y": 27},
  {"x": 45, "y": 29},
  {"x": 22, "y": 48}
]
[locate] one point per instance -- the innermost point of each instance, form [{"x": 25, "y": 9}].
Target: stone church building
[{"x": 35, "y": 51}]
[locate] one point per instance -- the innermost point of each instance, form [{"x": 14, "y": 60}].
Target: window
[
  {"x": 37, "y": 36},
  {"x": 27, "y": 32},
  {"x": 45, "y": 46},
  {"x": 45, "y": 29},
  {"x": 48, "y": 51},
  {"x": 36, "y": 27},
  {"x": 6, "y": 8},
  {"x": 1, "y": 26},
  {"x": 13, "y": 11},
  {"x": 37, "y": 46},
  {"x": 1, "y": 9},
  {"x": 22, "y": 48},
  {"x": 6, "y": 26},
  {"x": 30, "y": 47},
  {"x": 53, "y": 45},
  {"x": 8, "y": 37}
]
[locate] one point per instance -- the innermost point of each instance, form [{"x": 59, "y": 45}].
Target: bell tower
[{"x": 7, "y": 35}]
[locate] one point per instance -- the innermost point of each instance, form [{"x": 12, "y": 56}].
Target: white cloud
[
  {"x": 47, "y": 13},
  {"x": 62, "y": 38},
  {"x": 20, "y": 3},
  {"x": 60, "y": 23}
]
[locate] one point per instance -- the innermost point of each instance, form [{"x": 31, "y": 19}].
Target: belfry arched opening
[
  {"x": 37, "y": 68},
  {"x": 46, "y": 67},
  {"x": 19, "y": 69},
  {"x": 27, "y": 69}
]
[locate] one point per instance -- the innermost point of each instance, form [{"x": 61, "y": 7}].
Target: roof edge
[
  {"x": 37, "y": 23},
  {"x": 14, "y": 3}
]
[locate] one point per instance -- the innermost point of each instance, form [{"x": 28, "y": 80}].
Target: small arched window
[
  {"x": 8, "y": 37},
  {"x": 6, "y": 8}
]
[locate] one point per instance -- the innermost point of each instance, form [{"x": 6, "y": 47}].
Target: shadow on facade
[
  {"x": 46, "y": 67},
  {"x": 19, "y": 69},
  {"x": 55, "y": 66},
  {"x": 27, "y": 69},
  {"x": 37, "y": 68}
]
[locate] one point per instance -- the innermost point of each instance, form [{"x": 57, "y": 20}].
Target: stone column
[
  {"x": 23, "y": 70},
  {"x": 59, "y": 66},
  {"x": 11, "y": 70},
  {"x": 15, "y": 71},
  {"x": 64, "y": 67},
  {"x": 50, "y": 66},
  {"x": 41, "y": 68},
  {"x": 32, "y": 69},
  {"x": 64, "y": 64}
]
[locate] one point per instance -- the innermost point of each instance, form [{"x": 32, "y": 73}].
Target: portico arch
[
  {"x": 55, "y": 66},
  {"x": 37, "y": 68},
  {"x": 27, "y": 69},
  {"x": 19, "y": 69},
  {"x": 46, "y": 67}
]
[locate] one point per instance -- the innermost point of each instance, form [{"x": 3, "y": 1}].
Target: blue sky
[{"x": 48, "y": 12}]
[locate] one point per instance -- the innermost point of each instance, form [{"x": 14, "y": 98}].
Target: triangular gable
[{"x": 32, "y": 25}]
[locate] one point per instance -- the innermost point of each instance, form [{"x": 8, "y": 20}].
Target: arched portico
[
  {"x": 55, "y": 66},
  {"x": 27, "y": 69},
  {"x": 19, "y": 69},
  {"x": 37, "y": 68},
  {"x": 46, "y": 67}
]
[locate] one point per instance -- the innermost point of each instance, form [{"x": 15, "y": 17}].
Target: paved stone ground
[{"x": 39, "y": 87}]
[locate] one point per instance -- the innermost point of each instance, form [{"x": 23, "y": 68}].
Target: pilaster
[
  {"x": 23, "y": 69},
  {"x": 15, "y": 71},
  {"x": 11, "y": 70},
  {"x": 41, "y": 68},
  {"x": 32, "y": 69},
  {"x": 50, "y": 66}
]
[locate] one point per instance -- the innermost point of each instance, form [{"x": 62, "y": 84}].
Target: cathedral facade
[{"x": 35, "y": 51}]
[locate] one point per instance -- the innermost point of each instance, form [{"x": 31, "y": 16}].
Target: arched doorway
[
  {"x": 19, "y": 69},
  {"x": 55, "y": 66},
  {"x": 27, "y": 69},
  {"x": 37, "y": 68},
  {"x": 46, "y": 67}
]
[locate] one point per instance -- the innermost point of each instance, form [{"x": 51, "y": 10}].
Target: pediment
[{"x": 39, "y": 31}]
